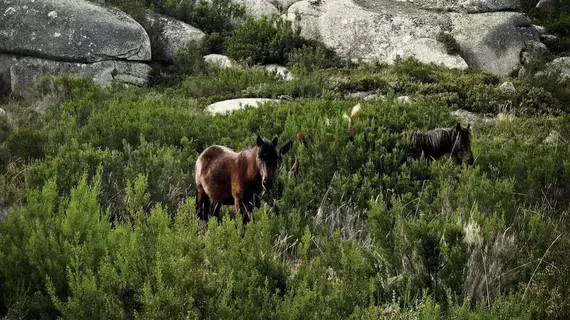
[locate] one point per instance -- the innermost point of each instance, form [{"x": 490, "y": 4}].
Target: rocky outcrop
[
  {"x": 376, "y": 30},
  {"x": 428, "y": 51},
  {"x": 493, "y": 41},
  {"x": 70, "y": 30},
  {"x": 471, "y": 6},
  {"x": 223, "y": 107},
  {"x": 77, "y": 37},
  {"x": 384, "y": 30},
  {"x": 23, "y": 71},
  {"x": 173, "y": 37}
]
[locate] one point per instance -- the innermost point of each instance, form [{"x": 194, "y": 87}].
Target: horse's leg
[
  {"x": 242, "y": 209},
  {"x": 240, "y": 202},
  {"x": 202, "y": 203},
  {"x": 199, "y": 200},
  {"x": 216, "y": 212}
]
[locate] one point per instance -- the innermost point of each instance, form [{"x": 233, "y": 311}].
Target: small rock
[
  {"x": 282, "y": 72},
  {"x": 404, "y": 99},
  {"x": 226, "y": 106},
  {"x": 2, "y": 112},
  {"x": 219, "y": 61},
  {"x": 467, "y": 116},
  {"x": 508, "y": 87},
  {"x": 374, "y": 97},
  {"x": 554, "y": 138},
  {"x": 535, "y": 52},
  {"x": 560, "y": 65},
  {"x": 540, "y": 29},
  {"x": 523, "y": 72},
  {"x": 360, "y": 94}
]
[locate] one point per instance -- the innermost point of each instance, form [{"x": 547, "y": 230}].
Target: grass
[{"x": 102, "y": 221}]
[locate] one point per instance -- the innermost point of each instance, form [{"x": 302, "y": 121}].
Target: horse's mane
[{"x": 435, "y": 140}]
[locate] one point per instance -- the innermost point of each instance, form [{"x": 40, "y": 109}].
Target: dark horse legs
[
  {"x": 205, "y": 208},
  {"x": 203, "y": 205}
]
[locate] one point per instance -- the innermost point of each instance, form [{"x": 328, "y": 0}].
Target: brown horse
[
  {"x": 437, "y": 143},
  {"x": 226, "y": 177}
]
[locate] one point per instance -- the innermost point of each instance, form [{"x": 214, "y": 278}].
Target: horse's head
[
  {"x": 462, "y": 145},
  {"x": 268, "y": 159}
]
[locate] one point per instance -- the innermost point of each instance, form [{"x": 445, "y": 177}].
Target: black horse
[{"x": 437, "y": 143}]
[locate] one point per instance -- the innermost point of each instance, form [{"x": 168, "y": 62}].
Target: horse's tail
[{"x": 352, "y": 120}]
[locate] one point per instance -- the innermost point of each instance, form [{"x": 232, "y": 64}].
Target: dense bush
[
  {"x": 209, "y": 16},
  {"x": 102, "y": 221},
  {"x": 264, "y": 41}
]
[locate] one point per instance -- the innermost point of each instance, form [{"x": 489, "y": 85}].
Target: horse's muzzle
[{"x": 267, "y": 184}]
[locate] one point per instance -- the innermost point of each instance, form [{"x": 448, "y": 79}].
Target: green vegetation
[
  {"x": 99, "y": 184},
  {"x": 556, "y": 21},
  {"x": 102, "y": 223},
  {"x": 451, "y": 45}
]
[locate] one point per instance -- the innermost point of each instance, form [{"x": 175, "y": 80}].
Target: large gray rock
[
  {"x": 224, "y": 107},
  {"x": 173, "y": 37},
  {"x": 428, "y": 51},
  {"x": 559, "y": 65},
  {"x": 23, "y": 71},
  {"x": 381, "y": 30},
  {"x": 384, "y": 30},
  {"x": 70, "y": 30},
  {"x": 493, "y": 41},
  {"x": 471, "y": 6}
]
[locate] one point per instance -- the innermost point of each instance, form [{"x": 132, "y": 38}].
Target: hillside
[{"x": 97, "y": 195}]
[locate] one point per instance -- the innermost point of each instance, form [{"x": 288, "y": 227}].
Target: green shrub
[
  {"x": 27, "y": 144},
  {"x": 451, "y": 45},
  {"x": 214, "y": 43},
  {"x": 218, "y": 16},
  {"x": 103, "y": 224},
  {"x": 5, "y": 129},
  {"x": 313, "y": 57},
  {"x": 264, "y": 41},
  {"x": 189, "y": 61}
]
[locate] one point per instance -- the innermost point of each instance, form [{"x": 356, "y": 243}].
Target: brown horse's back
[{"x": 214, "y": 168}]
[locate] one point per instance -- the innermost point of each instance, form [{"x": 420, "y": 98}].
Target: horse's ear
[
  {"x": 458, "y": 127},
  {"x": 285, "y": 148},
  {"x": 259, "y": 141},
  {"x": 468, "y": 126},
  {"x": 275, "y": 141}
]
